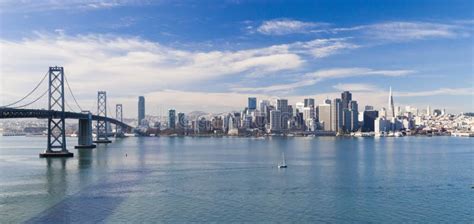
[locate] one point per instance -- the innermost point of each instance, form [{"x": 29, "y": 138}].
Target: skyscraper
[
  {"x": 181, "y": 121},
  {"x": 391, "y": 107},
  {"x": 354, "y": 108},
  {"x": 172, "y": 119},
  {"x": 141, "y": 109},
  {"x": 325, "y": 116},
  {"x": 369, "y": 120},
  {"x": 275, "y": 120},
  {"x": 346, "y": 97},
  {"x": 336, "y": 116},
  {"x": 309, "y": 102},
  {"x": 282, "y": 106},
  {"x": 252, "y": 104}
]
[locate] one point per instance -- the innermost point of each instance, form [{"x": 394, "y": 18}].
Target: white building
[{"x": 325, "y": 116}]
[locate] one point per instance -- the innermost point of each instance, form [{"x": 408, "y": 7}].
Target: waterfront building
[
  {"x": 275, "y": 121},
  {"x": 141, "y": 109},
  {"x": 369, "y": 120},
  {"x": 172, "y": 119},
  {"x": 282, "y": 106},
  {"x": 336, "y": 116},
  {"x": 181, "y": 121},
  {"x": 325, "y": 116},
  {"x": 381, "y": 124},
  {"x": 354, "y": 108}
]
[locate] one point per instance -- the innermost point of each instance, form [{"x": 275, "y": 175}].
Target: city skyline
[{"x": 294, "y": 54}]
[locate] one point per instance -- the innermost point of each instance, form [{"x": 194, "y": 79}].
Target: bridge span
[{"x": 56, "y": 115}]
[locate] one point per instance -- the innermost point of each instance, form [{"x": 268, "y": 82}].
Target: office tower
[
  {"x": 381, "y": 124},
  {"x": 369, "y": 119},
  {"x": 237, "y": 120},
  {"x": 308, "y": 113},
  {"x": 354, "y": 108},
  {"x": 391, "y": 107},
  {"x": 252, "y": 104},
  {"x": 172, "y": 119},
  {"x": 309, "y": 102},
  {"x": 141, "y": 109},
  {"x": 282, "y": 106},
  {"x": 346, "y": 120},
  {"x": 346, "y": 97},
  {"x": 181, "y": 121},
  {"x": 327, "y": 101},
  {"x": 336, "y": 110},
  {"x": 428, "y": 110},
  {"x": 436, "y": 112},
  {"x": 299, "y": 121},
  {"x": 262, "y": 105},
  {"x": 275, "y": 120},
  {"x": 325, "y": 116}
]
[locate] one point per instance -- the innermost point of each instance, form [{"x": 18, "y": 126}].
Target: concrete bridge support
[{"x": 85, "y": 134}]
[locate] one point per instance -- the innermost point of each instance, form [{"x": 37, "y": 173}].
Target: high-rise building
[
  {"x": 428, "y": 110},
  {"x": 368, "y": 107},
  {"x": 325, "y": 116},
  {"x": 391, "y": 107},
  {"x": 141, "y": 109},
  {"x": 181, "y": 121},
  {"x": 369, "y": 119},
  {"x": 282, "y": 106},
  {"x": 262, "y": 105},
  {"x": 172, "y": 119},
  {"x": 346, "y": 97},
  {"x": 252, "y": 104},
  {"x": 336, "y": 115},
  {"x": 354, "y": 108},
  {"x": 308, "y": 113},
  {"x": 275, "y": 120},
  {"x": 309, "y": 102}
]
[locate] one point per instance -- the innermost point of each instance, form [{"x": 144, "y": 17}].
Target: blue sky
[{"x": 211, "y": 55}]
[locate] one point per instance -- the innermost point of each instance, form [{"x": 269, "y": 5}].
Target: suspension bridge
[{"x": 56, "y": 115}]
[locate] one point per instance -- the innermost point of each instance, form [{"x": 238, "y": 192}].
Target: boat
[{"x": 282, "y": 164}]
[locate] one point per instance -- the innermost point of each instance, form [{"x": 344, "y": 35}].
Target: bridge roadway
[{"x": 6, "y": 113}]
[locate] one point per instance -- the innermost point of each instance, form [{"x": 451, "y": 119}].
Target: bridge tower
[
  {"x": 56, "y": 124},
  {"x": 102, "y": 124},
  {"x": 119, "y": 117}
]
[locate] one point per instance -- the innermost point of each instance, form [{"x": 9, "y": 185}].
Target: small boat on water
[{"x": 282, "y": 164}]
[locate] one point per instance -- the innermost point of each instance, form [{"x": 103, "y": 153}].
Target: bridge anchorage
[
  {"x": 102, "y": 124},
  {"x": 56, "y": 125}
]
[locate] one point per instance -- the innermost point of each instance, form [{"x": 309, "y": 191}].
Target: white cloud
[
  {"x": 437, "y": 92},
  {"x": 286, "y": 26},
  {"x": 407, "y": 31},
  {"x": 355, "y": 87},
  {"x": 314, "y": 77}
]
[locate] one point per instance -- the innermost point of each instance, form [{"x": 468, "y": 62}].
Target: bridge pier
[{"x": 85, "y": 134}]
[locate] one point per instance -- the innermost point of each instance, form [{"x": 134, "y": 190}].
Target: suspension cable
[
  {"x": 27, "y": 95},
  {"x": 72, "y": 94},
  {"x": 34, "y": 101}
]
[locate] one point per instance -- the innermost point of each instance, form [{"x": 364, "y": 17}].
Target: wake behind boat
[{"x": 282, "y": 164}]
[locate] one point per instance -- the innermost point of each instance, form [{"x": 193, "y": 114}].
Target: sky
[{"x": 212, "y": 55}]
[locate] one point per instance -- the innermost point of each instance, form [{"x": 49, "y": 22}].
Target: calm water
[{"x": 178, "y": 180}]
